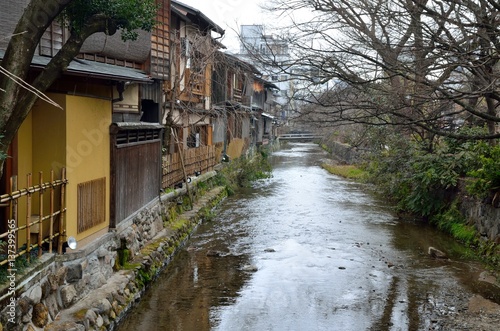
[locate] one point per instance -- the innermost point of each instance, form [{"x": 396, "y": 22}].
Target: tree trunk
[{"x": 16, "y": 102}]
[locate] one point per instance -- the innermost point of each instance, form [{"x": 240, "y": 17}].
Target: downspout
[
  {"x": 224, "y": 150},
  {"x": 120, "y": 87}
]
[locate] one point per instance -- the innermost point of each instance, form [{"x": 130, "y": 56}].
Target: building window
[
  {"x": 186, "y": 51},
  {"x": 197, "y": 136},
  {"x": 91, "y": 207}
]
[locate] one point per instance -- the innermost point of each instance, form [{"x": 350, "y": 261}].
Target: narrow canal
[{"x": 306, "y": 250}]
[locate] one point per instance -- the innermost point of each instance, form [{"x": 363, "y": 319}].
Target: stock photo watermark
[{"x": 11, "y": 270}]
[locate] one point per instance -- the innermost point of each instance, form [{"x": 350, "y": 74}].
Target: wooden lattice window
[
  {"x": 91, "y": 203},
  {"x": 52, "y": 40},
  {"x": 160, "y": 43}
]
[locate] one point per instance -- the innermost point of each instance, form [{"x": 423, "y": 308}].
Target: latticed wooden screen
[
  {"x": 160, "y": 43},
  {"x": 91, "y": 203},
  {"x": 52, "y": 40}
]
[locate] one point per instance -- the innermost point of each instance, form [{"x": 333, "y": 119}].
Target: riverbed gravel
[{"x": 460, "y": 311}]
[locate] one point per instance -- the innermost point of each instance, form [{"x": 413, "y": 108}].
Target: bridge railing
[{"x": 291, "y": 136}]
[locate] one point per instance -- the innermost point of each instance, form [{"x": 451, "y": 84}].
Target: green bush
[
  {"x": 422, "y": 178},
  {"x": 453, "y": 222},
  {"x": 487, "y": 175},
  {"x": 242, "y": 171}
]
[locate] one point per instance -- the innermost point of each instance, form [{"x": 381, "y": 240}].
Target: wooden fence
[
  {"x": 194, "y": 160},
  {"x": 135, "y": 177},
  {"x": 17, "y": 239}
]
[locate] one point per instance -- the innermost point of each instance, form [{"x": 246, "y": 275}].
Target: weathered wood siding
[{"x": 135, "y": 172}]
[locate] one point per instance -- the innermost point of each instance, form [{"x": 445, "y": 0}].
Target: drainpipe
[
  {"x": 224, "y": 150},
  {"x": 120, "y": 87}
]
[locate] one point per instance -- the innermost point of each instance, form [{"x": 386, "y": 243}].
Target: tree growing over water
[
  {"x": 82, "y": 18},
  {"x": 420, "y": 65}
]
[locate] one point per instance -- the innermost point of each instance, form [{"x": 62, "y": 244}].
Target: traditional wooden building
[
  {"x": 102, "y": 144},
  {"x": 189, "y": 88},
  {"x": 240, "y": 97}
]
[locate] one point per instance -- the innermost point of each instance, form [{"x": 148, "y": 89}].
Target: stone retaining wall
[
  {"x": 485, "y": 217},
  {"x": 87, "y": 289},
  {"x": 344, "y": 153}
]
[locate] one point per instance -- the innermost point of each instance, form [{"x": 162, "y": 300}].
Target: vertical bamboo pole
[
  {"x": 28, "y": 219},
  {"x": 40, "y": 209},
  {"x": 61, "y": 214},
  {"x": 51, "y": 221}
]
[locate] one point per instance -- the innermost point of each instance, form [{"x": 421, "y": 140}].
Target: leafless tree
[{"x": 421, "y": 65}]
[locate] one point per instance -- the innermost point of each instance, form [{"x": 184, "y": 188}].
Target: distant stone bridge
[{"x": 300, "y": 137}]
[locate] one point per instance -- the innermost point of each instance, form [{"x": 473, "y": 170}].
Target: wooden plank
[
  {"x": 40, "y": 218},
  {"x": 51, "y": 219},
  {"x": 137, "y": 179},
  {"x": 62, "y": 210}
]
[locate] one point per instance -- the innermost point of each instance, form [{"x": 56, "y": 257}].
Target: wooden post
[
  {"x": 181, "y": 155},
  {"x": 51, "y": 220},
  {"x": 61, "y": 214},
  {"x": 28, "y": 219},
  {"x": 40, "y": 209}
]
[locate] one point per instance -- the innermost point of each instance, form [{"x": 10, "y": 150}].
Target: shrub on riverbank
[
  {"x": 426, "y": 176},
  {"x": 244, "y": 170},
  {"x": 425, "y": 179}
]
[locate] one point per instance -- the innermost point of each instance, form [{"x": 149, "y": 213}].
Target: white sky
[{"x": 229, "y": 15}]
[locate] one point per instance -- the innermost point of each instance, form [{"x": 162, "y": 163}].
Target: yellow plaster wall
[
  {"x": 75, "y": 137},
  {"x": 87, "y": 153},
  {"x": 49, "y": 137},
  {"x": 40, "y": 147},
  {"x": 48, "y": 141},
  {"x": 24, "y": 166},
  {"x": 24, "y": 150}
]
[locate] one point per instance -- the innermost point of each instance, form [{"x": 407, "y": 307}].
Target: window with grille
[{"x": 91, "y": 204}]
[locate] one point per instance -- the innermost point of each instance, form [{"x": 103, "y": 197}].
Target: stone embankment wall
[
  {"x": 343, "y": 153},
  {"x": 92, "y": 288},
  {"x": 484, "y": 216}
]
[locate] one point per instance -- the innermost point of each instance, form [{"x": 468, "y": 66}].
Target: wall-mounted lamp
[{"x": 72, "y": 242}]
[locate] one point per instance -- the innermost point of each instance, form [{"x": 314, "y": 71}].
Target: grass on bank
[{"x": 346, "y": 171}]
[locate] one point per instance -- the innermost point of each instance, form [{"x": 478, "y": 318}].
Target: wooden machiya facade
[
  {"x": 98, "y": 158},
  {"x": 104, "y": 153},
  {"x": 240, "y": 96},
  {"x": 188, "y": 107}
]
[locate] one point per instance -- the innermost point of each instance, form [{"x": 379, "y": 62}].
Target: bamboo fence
[
  {"x": 34, "y": 223},
  {"x": 195, "y": 160}
]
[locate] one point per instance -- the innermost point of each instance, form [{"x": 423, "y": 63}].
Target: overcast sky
[{"x": 229, "y": 15}]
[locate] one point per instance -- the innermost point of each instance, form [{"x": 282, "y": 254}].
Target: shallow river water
[{"x": 306, "y": 250}]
